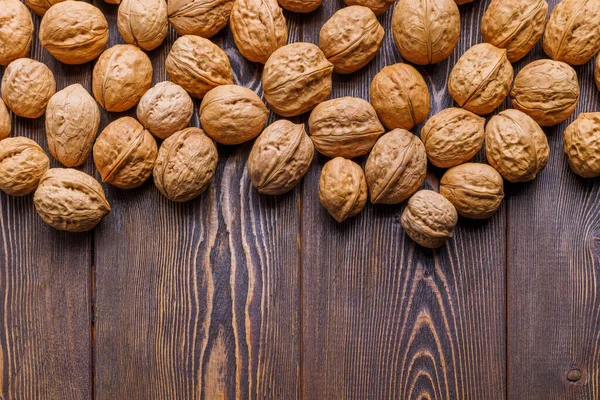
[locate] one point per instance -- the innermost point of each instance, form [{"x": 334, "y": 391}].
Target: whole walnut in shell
[
  {"x": 185, "y": 165},
  {"x": 429, "y": 219},
  {"x": 342, "y": 188},
  {"x": 121, "y": 76},
  {"x": 198, "y": 65},
  {"x": 143, "y": 22},
  {"x": 582, "y": 145},
  {"x": 5, "y": 123},
  {"x": 426, "y": 31},
  {"x": 296, "y": 78},
  {"x": 41, "y": 6},
  {"x": 452, "y": 137},
  {"x": 396, "y": 167},
  {"x": 572, "y": 33},
  {"x": 476, "y": 190},
  {"x": 280, "y": 157},
  {"x": 74, "y": 32},
  {"x": 124, "y": 153},
  {"x": 516, "y": 146},
  {"x": 199, "y": 17},
  {"x": 351, "y": 38},
  {"x": 72, "y": 122},
  {"x": 481, "y": 79},
  {"x": 400, "y": 96},
  {"x": 232, "y": 114},
  {"x": 16, "y": 31},
  {"x": 345, "y": 127},
  {"x": 547, "y": 91},
  {"x": 27, "y": 86},
  {"x": 377, "y": 6},
  {"x": 70, "y": 200},
  {"x": 165, "y": 109},
  {"x": 22, "y": 165},
  {"x": 300, "y": 6}
]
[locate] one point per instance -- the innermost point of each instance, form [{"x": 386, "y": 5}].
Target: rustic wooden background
[{"x": 238, "y": 295}]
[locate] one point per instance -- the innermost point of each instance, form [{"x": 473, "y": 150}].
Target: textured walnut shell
[
  {"x": 22, "y": 165},
  {"x": 377, "y": 6},
  {"x": 72, "y": 122},
  {"x": 582, "y": 145},
  {"x": 296, "y": 78},
  {"x": 351, "y": 38},
  {"x": 481, "y": 79},
  {"x": 516, "y": 146},
  {"x": 396, "y": 167},
  {"x": 300, "y": 6},
  {"x": 280, "y": 157},
  {"x": 232, "y": 114},
  {"x": 514, "y": 25},
  {"x": 16, "y": 31},
  {"x": 572, "y": 34},
  {"x": 74, "y": 32},
  {"x": 143, "y": 22},
  {"x": 258, "y": 28},
  {"x": 476, "y": 190},
  {"x": 198, "y": 65},
  {"x": 165, "y": 109},
  {"x": 429, "y": 219},
  {"x": 547, "y": 91},
  {"x": 124, "y": 153},
  {"x": 342, "y": 188},
  {"x": 41, "y": 6},
  {"x": 70, "y": 200},
  {"x": 346, "y": 127},
  {"x": 400, "y": 96},
  {"x": 199, "y": 17},
  {"x": 426, "y": 31},
  {"x": 185, "y": 165},
  {"x": 27, "y": 86},
  {"x": 5, "y": 122}
]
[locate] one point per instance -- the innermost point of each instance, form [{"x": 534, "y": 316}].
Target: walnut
[
  {"x": 481, "y": 79},
  {"x": 199, "y": 17},
  {"x": 22, "y": 165},
  {"x": 198, "y": 65},
  {"x": 185, "y": 165},
  {"x": 396, "y": 167},
  {"x": 41, "y": 6},
  {"x": 515, "y": 25},
  {"x": 429, "y": 219},
  {"x": 427, "y": 31},
  {"x": 27, "y": 86},
  {"x": 70, "y": 200},
  {"x": 16, "y": 31},
  {"x": 300, "y": 6},
  {"x": 342, "y": 188},
  {"x": 345, "y": 127},
  {"x": 124, "y": 153},
  {"x": 296, "y": 78},
  {"x": 143, "y": 22},
  {"x": 377, "y": 6},
  {"x": 5, "y": 123},
  {"x": 280, "y": 157},
  {"x": 351, "y": 38},
  {"x": 165, "y": 109},
  {"x": 400, "y": 96},
  {"x": 232, "y": 114},
  {"x": 582, "y": 145},
  {"x": 547, "y": 91},
  {"x": 572, "y": 33},
  {"x": 72, "y": 122},
  {"x": 476, "y": 190},
  {"x": 74, "y": 32}
]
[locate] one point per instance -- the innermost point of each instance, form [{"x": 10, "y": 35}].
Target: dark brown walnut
[
  {"x": 124, "y": 153},
  {"x": 481, "y": 79},
  {"x": 16, "y": 31},
  {"x": 22, "y": 165},
  {"x": 143, "y": 22},
  {"x": 165, "y": 109},
  {"x": 426, "y": 31},
  {"x": 74, "y": 32},
  {"x": 300, "y": 6},
  {"x": 296, "y": 78},
  {"x": 185, "y": 165},
  {"x": 582, "y": 145},
  {"x": 5, "y": 122},
  {"x": 572, "y": 33},
  {"x": 400, "y": 96},
  {"x": 342, "y": 188},
  {"x": 280, "y": 157},
  {"x": 41, "y": 6},
  {"x": 199, "y": 17},
  {"x": 351, "y": 38},
  {"x": 547, "y": 91},
  {"x": 346, "y": 127},
  {"x": 476, "y": 190},
  {"x": 396, "y": 167},
  {"x": 377, "y": 6},
  {"x": 70, "y": 200},
  {"x": 72, "y": 122},
  {"x": 198, "y": 65},
  {"x": 232, "y": 114}
]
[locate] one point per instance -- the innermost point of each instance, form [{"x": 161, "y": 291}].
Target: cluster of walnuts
[{"x": 297, "y": 78}]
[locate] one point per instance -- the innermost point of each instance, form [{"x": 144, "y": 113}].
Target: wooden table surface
[{"x": 239, "y": 295}]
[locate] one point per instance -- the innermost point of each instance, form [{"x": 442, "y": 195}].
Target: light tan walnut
[
  {"x": 5, "y": 122},
  {"x": 16, "y": 31},
  {"x": 199, "y": 17},
  {"x": 582, "y": 145},
  {"x": 143, "y": 22},
  {"x": 41, "y": 6},
  {"x": 300, "y": 6},
  {"x": 377, "y": 6},
  {"x": 165, "y": 109},
  {"x": 22, "y": 165},
  {"x": 342, "y": 188}
]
